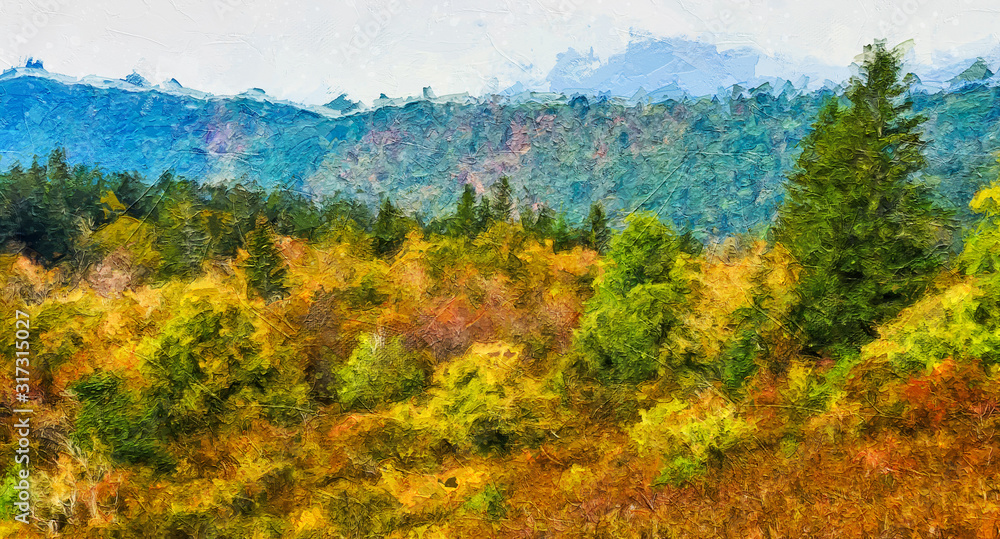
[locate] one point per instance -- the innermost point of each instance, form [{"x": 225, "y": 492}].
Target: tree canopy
[{"x": 860, "y": 224}]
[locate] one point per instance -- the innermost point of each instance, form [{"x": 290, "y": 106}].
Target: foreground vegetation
[{"x": 225, "y": 362}]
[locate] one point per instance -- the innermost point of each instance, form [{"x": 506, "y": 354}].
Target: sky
[{"x": 309, "y": 51}]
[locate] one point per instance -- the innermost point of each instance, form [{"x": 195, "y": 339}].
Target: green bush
[
  {"x": 109, "y": 416},
  {"x": 960, "y": 320},
  {"x": 485, "y": 402},
  {"x": 8, "y": 495},
  {"x": 635, "y": 305},
  {"x": 491, "y": 501},
  {"x": 689, "y": 435},
  {"x": 379, "y": 371},
  {"x": 679, "y": 471},
  {"x": 205, "y": 365}
]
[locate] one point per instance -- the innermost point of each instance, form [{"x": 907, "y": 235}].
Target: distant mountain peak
[
  {"x": 136, "y": 79},
  {"x": 978, "y": 71},
  {"x": 343, "y": 105},
  {"x": 255, "y": 92}
]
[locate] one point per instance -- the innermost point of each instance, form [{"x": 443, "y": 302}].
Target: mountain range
[{"x": 713, "y": 164}]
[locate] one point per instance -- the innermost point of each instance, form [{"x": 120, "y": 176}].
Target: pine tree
[
  {"x": 266, "y": 269},
  {"x": 545, "y": 222},
  {"x": 389, "y": 229},
  {"x": 527, "y": 216},
  {"x": 484, "y": 214},
  {"x": 563, "y": 236},
  {"x": 599, "y": 235},
  {"x": 861, "y": 230},
  {"x": 185, "y": 242},
  {"x": 503, "y": 204},
  {"x": 57, "y": 168},
  {"x": 464, "y": 222},
  {"x": 130, "y": 190}
]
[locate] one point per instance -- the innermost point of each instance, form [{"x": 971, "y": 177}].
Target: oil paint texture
[{"x": 416, "y": 269}]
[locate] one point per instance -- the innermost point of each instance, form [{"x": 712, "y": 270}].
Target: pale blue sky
[{"x": 311, "y": 51}]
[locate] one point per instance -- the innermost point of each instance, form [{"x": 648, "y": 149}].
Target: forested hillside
[
  {"x": 238, "y": 361},
  {"x": 715, "y": 165}
]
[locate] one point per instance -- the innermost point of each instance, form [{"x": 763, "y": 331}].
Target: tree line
[
  {"x": 48, "y": 209},
  {"x": 866, "y": 236}
]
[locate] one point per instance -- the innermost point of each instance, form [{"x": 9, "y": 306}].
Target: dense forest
[
  {"x": 224, "y": 360},
  {"x": 715, "y": 165}
]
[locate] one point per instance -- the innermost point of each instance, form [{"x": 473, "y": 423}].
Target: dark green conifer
[
  {"x": 265, "y": 266},
  {"x": 464, "y": 222},
  {"x": 599, "y": 235},
  {"x": 484, "y": 214},
  {"x": 389, "y": 229},
  {"x": 861, "y": 229},
  {"x": 503, "y": 203}
]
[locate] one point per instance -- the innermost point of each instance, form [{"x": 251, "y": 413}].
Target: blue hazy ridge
[{"x": 715, "y": 165}]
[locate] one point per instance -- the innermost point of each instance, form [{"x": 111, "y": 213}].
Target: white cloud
[{"x": 306, "y": 50}]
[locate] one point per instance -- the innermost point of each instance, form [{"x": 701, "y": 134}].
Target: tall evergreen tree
[
  {"x": 131, "y": 190},
  {"x": 266, "y": 269},
  {"x": 389, "y": 229},
  {"x": 527, "y": 216},
  {"x": 484, "y": 214},
  {"x": 55, "y": 222},
  {"x": 21, "y": 207},
  {"x": 503, "y": 203},
  {"x": 562, "y": 234},
  {"x": 599, "y": 235},
  {"x": 185, "y": 239},
  {"x": 464, "y": 222},
  {"x": 862, "y": 231},
  {"x": 545, "y": 222}
]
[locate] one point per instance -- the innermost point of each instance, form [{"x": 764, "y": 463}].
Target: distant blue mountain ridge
[{"x": 715, "y": 165}]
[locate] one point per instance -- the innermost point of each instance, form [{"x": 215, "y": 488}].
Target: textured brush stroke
[{"x": 634, "y": 287}]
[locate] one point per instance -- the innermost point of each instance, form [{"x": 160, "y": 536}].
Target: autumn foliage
[
  {"x": 240, "y": 364},
  {"x": 449, "y": 390}
]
